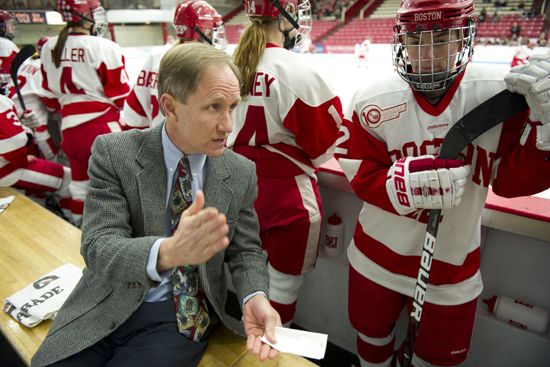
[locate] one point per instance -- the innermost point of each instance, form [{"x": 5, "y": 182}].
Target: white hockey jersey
[
  {"x": 8, "y": 50},
  {"x": 363, "y": 48},
  {"x": 13, "y": 140},
  {"x": 291, "y": 110},
  {"x": 386, "y": 121},
  {"x": 142, "y": 108},
  {"x": 90, "y": 84},
  {"x": 29, "y": 79}
]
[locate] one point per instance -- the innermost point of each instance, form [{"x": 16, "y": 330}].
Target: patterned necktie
[{"x": 191, "y": 310}]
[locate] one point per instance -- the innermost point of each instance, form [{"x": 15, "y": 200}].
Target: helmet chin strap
[
  {"x": 82, "y": 17},
  {"x": 203, "y": 36},
  {"x": 289, "y": 43}
]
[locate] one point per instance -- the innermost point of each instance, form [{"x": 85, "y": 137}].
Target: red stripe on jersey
[
  {"x": 369, "y": 183},
  {"x": 440, "y": 273},
  {"x": 324, "y": 127},
  {"x": 78, "y": 108},
  {"x": 134, "y": 104},
  {"x": 269, "y": 164},
  {"x": 295, "y": 152},
  {"x": 17, "y": 158},
  {"x": 77, "y": 207},
  {"x": 6, "y": 61},
  {"x": 50, "y": 102},
  {"x": 113, "y": 86},
  {"x": 65, "y": 203}
]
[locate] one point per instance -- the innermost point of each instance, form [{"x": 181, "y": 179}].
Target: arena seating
[
  {"x": 378, "y": 30},
  {"x": 378, "y": 27},
  {"x": 320, "y": 28},
  {"x": 530, "y": 28}
]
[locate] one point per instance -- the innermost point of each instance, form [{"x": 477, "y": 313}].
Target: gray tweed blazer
[{"x": 124, "y": 214}]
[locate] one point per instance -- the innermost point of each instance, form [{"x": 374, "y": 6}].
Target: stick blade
[{"x": 484, "y": 117}]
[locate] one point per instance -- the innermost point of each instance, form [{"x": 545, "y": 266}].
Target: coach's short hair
[{"x": 182, "y": 66}]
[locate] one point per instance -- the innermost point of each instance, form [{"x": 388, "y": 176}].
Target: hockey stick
[
  {"x": 487, "y": 115},
  {"x": 23, "y": 54}
]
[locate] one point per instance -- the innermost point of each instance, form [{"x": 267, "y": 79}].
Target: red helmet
[
  {"x": 416, "y": 18},
  {"x": 73, "y": 11},
  {"x": 198, "y": 20},
  {"x": 433, "y": 15},
  {"x": 8, "y": 25},
  {"x": 298, "y": 13},
  {"x": 41, "y": 42}
]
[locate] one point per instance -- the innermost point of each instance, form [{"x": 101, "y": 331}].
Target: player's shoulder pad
[
  {"x": 298, "y": 74},
  {"x": 380, "y": 85}
]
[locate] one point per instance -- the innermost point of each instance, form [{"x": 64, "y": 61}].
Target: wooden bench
[{"x": 33, "y": 242}]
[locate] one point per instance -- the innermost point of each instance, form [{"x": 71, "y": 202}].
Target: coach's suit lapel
[
  {"x": 218, "y": 195},
  {"x": 216, "y": 192},
  {"x": 152, "y": 183}
]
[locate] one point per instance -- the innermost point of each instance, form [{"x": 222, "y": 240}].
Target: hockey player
[
  {"x": 29, "y": 78},
  {"x": 8, "y": 30},
  {"x": 521, "y": 57},
  {"x": 362, "y": 51},
  {"x": 287, "y": 123},
  {"x": 391, "y": 136},
  {"x": 18, "y": 167},
  {"x": 86, "y": 73},
  {"x": 194, "y": 21}
]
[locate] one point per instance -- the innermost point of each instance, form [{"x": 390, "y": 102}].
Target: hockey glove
[
  {"x": 29, "y": 119},
  {"x": 533, "y": 81},
  {"x": 542, "y": 136},
  {"x": 426, "y": 182}
]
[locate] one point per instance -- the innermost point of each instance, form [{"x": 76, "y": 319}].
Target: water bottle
[
  {"x": 519, "y": 313},
  {"x": 334, "y": 236}
]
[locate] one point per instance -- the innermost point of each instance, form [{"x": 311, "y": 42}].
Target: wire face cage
[
  {"x": 431, "y": 60},
  {"x": 304, "y": 20}
]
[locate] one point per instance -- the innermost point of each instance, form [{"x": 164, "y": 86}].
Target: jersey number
[
  {"x": 67, "y": 82},
  {"x": 255, "y": 123}
]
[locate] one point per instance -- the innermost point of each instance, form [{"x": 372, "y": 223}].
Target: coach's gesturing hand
[{"x": 201, "y": 234}]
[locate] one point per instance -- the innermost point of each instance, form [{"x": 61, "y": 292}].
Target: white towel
[
  {"x": 4, "y": 202},
  {"x": 43, "y": 298}
]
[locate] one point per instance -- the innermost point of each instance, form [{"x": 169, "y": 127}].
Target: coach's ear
[{"x": 168, "y": 104}]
